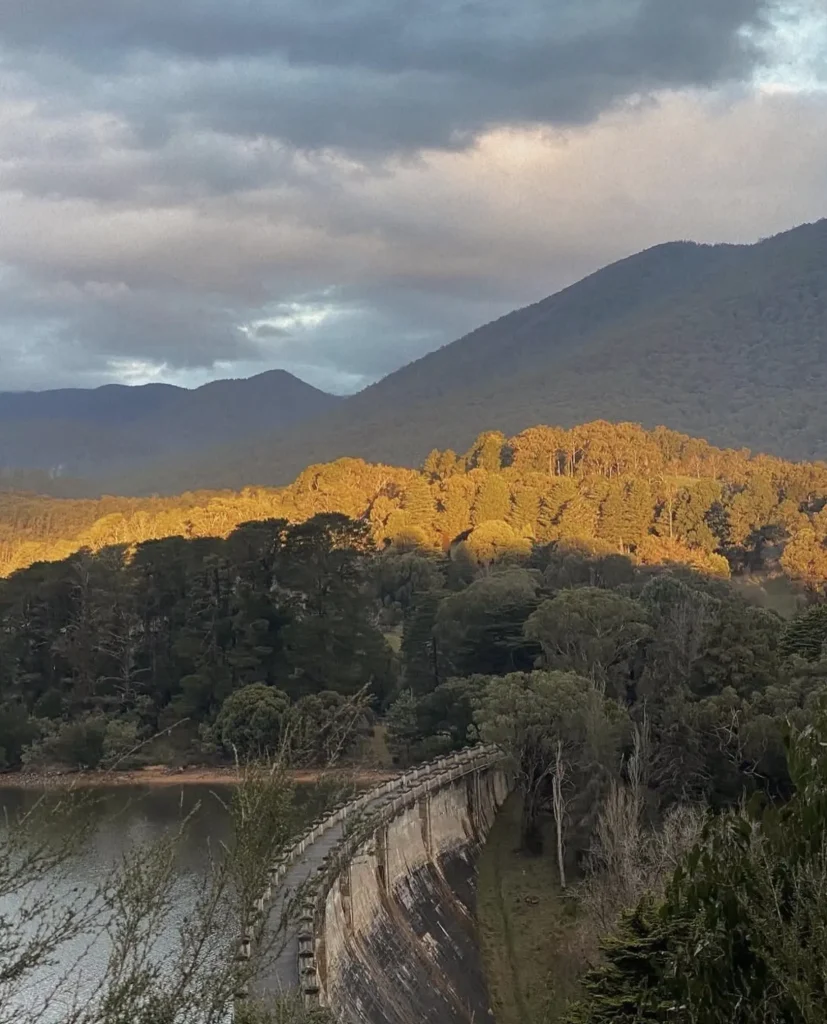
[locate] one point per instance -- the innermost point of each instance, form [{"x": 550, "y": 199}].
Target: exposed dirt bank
[{"x": 160, "y": 775}]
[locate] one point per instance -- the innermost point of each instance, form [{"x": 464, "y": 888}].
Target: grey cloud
[
  {"x": 173, "y": 171},
  {"x": 366, "y": 272},
  {"x": 377, "y": 75},
  {"x": 92, "y": 329}
]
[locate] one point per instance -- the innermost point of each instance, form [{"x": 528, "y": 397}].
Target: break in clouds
[{"x": 202, "y": 188}]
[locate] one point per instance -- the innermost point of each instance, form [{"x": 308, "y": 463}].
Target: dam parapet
[{"x": 386, "y": 927}]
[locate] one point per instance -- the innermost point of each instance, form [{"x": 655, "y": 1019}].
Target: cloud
[
  {"x": 372, "y": 76},
  {"x": 200, "y": 188}
]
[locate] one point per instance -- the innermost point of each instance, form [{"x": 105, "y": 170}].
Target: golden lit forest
[{"x": 657, "y": 495}]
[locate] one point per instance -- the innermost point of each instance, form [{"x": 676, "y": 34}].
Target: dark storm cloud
[{"x": 375, "y": 75}]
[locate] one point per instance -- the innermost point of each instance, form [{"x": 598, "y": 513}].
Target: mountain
[
  {"x": 114, "y": 429},
  {"x": 728, "y": 342}
]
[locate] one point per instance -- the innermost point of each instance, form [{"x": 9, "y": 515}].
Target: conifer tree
[
  {"x": 418, "y": 503},
  {"x": 486, "y": 452},
  {"x": 525, "y": 508},
  {"x": 493, "y": 500}
]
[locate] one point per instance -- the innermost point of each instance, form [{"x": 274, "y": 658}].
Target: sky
[{"x": 194, "y": 189}]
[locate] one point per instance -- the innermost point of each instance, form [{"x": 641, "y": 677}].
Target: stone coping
[
  {"x": 390, "y": 799},
  {"x": 407, "y": 790}
]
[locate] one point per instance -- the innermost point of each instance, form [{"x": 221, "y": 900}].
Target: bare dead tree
[{"x": 559, "y": 806}]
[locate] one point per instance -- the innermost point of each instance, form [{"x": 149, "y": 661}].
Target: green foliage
[
  {"x": 741, "y": 934},
  {"x": 480, "y": 629},
  {"x": 539, "y": 717},
  {"x": 486, "y": 452},
  {"x": 594, "y": 632},
  {"x": 806, "y": 635},
  {"x": 493, "y": 500},
  {"x": 251, "y": 721},
  {"x": 403, "y": 728},
  {"x": 659, "y": 495},
  {"x": 165, "y": 637},
  {"x": 76, "y": 744},
  {"x": 419, "y": 503},
  {"x": 17, "y": 731}
]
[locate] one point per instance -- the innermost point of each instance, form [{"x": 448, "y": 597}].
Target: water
[{"x": 118, "y": 820}]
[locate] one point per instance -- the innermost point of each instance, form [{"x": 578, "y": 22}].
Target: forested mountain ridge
[
  {"x": 728, "y": 342},
  {"x": 75, "y": 432},
  {"x": 657, "y": 495}
]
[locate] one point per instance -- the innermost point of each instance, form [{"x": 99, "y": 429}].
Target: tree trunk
[{"x": 559, "y": 810}]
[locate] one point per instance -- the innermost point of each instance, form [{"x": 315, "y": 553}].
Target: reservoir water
[{"x": 117, "y": 820}]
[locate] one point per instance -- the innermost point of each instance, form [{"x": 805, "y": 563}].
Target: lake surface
[{"x": 119, "y": 820}]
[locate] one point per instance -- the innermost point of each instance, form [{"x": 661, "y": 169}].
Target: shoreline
[{"x": 160, "y": 775}]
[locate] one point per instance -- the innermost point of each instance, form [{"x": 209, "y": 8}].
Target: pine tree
[
  {"x": 611, "y": 525},
  {"x": 806, "y": 635},
  {"x": 456, "y": 495},
  {"x": 418, "y": 503},
  {"x": 634, "y": 959},
  {"x": 525, "y": 508},
  {"x": 486, "y": 452},
  {"x": 578, "y": 519},
  {"x": 493, "y": 500},
  {"x": 419, "y": 648}
]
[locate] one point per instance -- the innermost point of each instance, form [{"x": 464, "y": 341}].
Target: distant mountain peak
[
  {"x": 725, "y": 342},
  {"x": 117, "y": 427}
]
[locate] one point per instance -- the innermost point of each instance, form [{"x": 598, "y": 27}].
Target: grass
[
  {"x": 527, "y": 933},
  {"x": 376, "y": 748}
]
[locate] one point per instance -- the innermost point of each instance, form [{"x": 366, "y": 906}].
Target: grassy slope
[{"x": 525, "y": 927}]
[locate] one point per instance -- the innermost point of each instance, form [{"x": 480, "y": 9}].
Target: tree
[
  {"x": 252, "y": 720},
  {"x": 420, "y": 647},
  {"x": 456, "y": 494},
  {"x": 738, "y": 935},
  {"x": 495, "y": 541},
  {"x": 486, "y": 452},
  {"x": 418, "y": 503},
  {"x": 806, "y": 635},
  {"x": 79, "y": 744},
  {"x": 557, "y": 494},
  {"x": 593, "y": 632},
  {"x": 17, "y": 731},
  {"x": 480, "y": 629},
  {"x": 403, "y": 727},
  {"x": 805, "y": 558},
  {"x": 525, "y": 509},
  {"x": 493, "y": 500},
  {"x": 577, "y": 519},
  {"x": 325, "y": 727},
  {"x": 626, "y": 513},
  {"x": 559, "y": 733},
  {"x": 440, "y": 465},
  {"x": 537, "y": 449}
]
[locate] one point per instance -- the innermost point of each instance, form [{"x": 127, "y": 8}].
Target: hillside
[
  {"x": 113, "y": 429},
  {"x": 727, "y": 342},
  {"x": 660, "y": 495}
]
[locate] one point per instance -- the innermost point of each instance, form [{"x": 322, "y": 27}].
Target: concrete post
[{"x": 425, "y": 824}]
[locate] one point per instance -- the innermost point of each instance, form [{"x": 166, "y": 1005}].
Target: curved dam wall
[{"x": 387, "y": 931}]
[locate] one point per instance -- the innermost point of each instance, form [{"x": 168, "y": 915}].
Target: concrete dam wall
[{"x": 386, "y": 930}]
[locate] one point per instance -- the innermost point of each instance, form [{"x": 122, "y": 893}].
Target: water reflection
[{"x": 116, "y": 820}]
